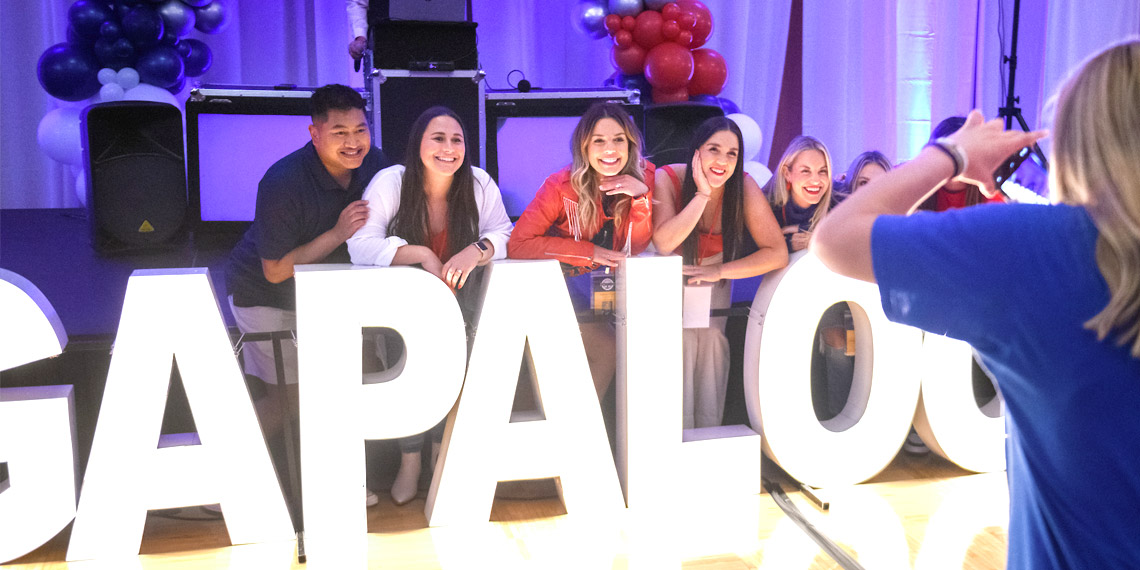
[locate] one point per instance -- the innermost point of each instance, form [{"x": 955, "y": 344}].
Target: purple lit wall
[
  {"x": 529, "y": 150},
  {"x": 234, "y": 151}
]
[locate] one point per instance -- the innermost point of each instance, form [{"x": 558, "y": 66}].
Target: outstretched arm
[{"x": 843, "y": 240}]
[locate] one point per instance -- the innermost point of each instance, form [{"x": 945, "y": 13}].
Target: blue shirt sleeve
[{"x": 939, "y": 271}]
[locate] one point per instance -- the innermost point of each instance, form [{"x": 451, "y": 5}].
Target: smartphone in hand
[{"x": 1024, "y": 177}]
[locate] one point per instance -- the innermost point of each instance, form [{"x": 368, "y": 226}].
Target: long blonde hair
[
  {"x": 777, "y": 187},
  {"x": 583, "y": 178},
  {"x": 1096, "y": 164}
]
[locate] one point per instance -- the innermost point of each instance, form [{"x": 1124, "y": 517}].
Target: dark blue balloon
[
  {"x": 161, "y": 66},
  {"x": 75, "y": 39},
  {"x": 87, "y": 16},
  {"x": 196, "y": 3},
  {"x": 169, "y": 38},
  {"x": 637, "y": 82},
  {"x": 68, "y": 73},
  {"x": 183, "y": 48},
  {"x": 612, "y": 80},
  {"x": 728, "y": 106},
  {"x": 178, "y": 87},
  {"x": 706, "y": 99},
  {"x": 115, "y": 54},
  {"x": 199, "y": 59},
  {"x": 121, "y": 10},
  {"x": 143, "y": 26},
  {"x": 110, "y": 30}
]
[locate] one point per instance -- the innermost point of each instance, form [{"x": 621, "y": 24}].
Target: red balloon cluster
[{"x": 663, "y": 45}]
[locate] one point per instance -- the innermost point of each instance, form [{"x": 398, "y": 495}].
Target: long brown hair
[
  {"x": 583, "y": 178},
  {"x": 732, "y": 200},
  {"x": 411, "y": 219}
]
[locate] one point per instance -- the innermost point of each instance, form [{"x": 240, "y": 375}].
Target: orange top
[{"x": 708, "y": 243}]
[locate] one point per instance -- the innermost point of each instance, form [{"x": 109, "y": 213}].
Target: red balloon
[
  {"x": 629, "y": 60},
  {"x": 668, "y": 66},
  {"x": 670, "y": 11},
  {"x": 613, "y": 23},
  {"x": 686, "y": 20},
  {"x": 702, "y": 21},
  {"x": 709, "y": 72},
  {"x": 678, "y": 95},
  {"x": 628, "y": 23},
  {"x": 684, "y": 38},
  {"x": 670, "y": 29},
  {"x": 623, "y": 38},
  {"x": 648, "y": 31}
]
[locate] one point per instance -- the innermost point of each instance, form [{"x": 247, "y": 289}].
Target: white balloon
[
  {"x": 106, "y": 75},
  {"x": 759, "y": 172},
  {"x": 111, "y": 92},
  {"x": 81, "y": 187},
  {"x": 59, "y": 137},
  {"x": 148, "y": 92},
  {"x": 127, "y": 78},
  {"x": 753, "y": 139}
]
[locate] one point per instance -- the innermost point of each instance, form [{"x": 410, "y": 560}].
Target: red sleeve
[
  {"x": 531, "y": 240},
  {"x": 641, "y": 215}
]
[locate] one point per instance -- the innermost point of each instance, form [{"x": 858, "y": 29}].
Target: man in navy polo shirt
[{"x": 308, "y": 204}]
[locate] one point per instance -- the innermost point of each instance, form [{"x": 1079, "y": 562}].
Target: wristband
[
  {"x": 482, "y": 247},
  {"x": 954, "y": 151}
]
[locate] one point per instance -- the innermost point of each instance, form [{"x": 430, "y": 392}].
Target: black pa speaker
[
  {"x": 398, "y": 100},
  {"x": 668, "y": 129},
  {"x": 136, "y": 175},
  {"x": 424, "y": 46}
]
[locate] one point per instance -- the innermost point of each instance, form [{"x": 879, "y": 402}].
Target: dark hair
[
  {"x": 732, "y": 200},
  {"x": 333, "y": 97},
  {"x": 411, "y": 220},
  {"x": 947, "y": 127}
]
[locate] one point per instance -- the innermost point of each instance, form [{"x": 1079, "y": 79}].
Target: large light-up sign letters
[
  {"x": 172, "y": 315},
  {"x": 867, "y": 434},
  {"x": 949, "y": 419},
  {"x": 658, "y": 460},
  {"x": 31, "y": 329},
  {"x": 526, "y": 303},
  {"x": 337, "y": 411},
  {"x": 37, "y": 440}
]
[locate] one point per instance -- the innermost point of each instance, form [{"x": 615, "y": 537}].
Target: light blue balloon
[
  {"x": 111, "y": 92},
  {"x": 626, "y": 7},
  {"x": 590, "y": 18},
  {"x": 106, "y": 75},
  {"x": 127, "y": 78}
]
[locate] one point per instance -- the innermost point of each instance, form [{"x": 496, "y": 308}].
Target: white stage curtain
[{"x": 880, "y": 75}]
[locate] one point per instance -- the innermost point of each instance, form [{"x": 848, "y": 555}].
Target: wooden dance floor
[{"x": 921, "y": 512}]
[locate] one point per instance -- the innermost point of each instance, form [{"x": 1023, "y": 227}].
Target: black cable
[{"x": 841, "y": 557}]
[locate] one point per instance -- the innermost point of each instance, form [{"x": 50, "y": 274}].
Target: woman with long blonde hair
[
  {"x": 800, "y": 190},
  {"x": 592, "y": 214},
  {"x": 1048, "y": 296}
]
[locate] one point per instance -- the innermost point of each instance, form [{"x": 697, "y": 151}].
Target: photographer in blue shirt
[{"x": 1048, "y": 296}]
